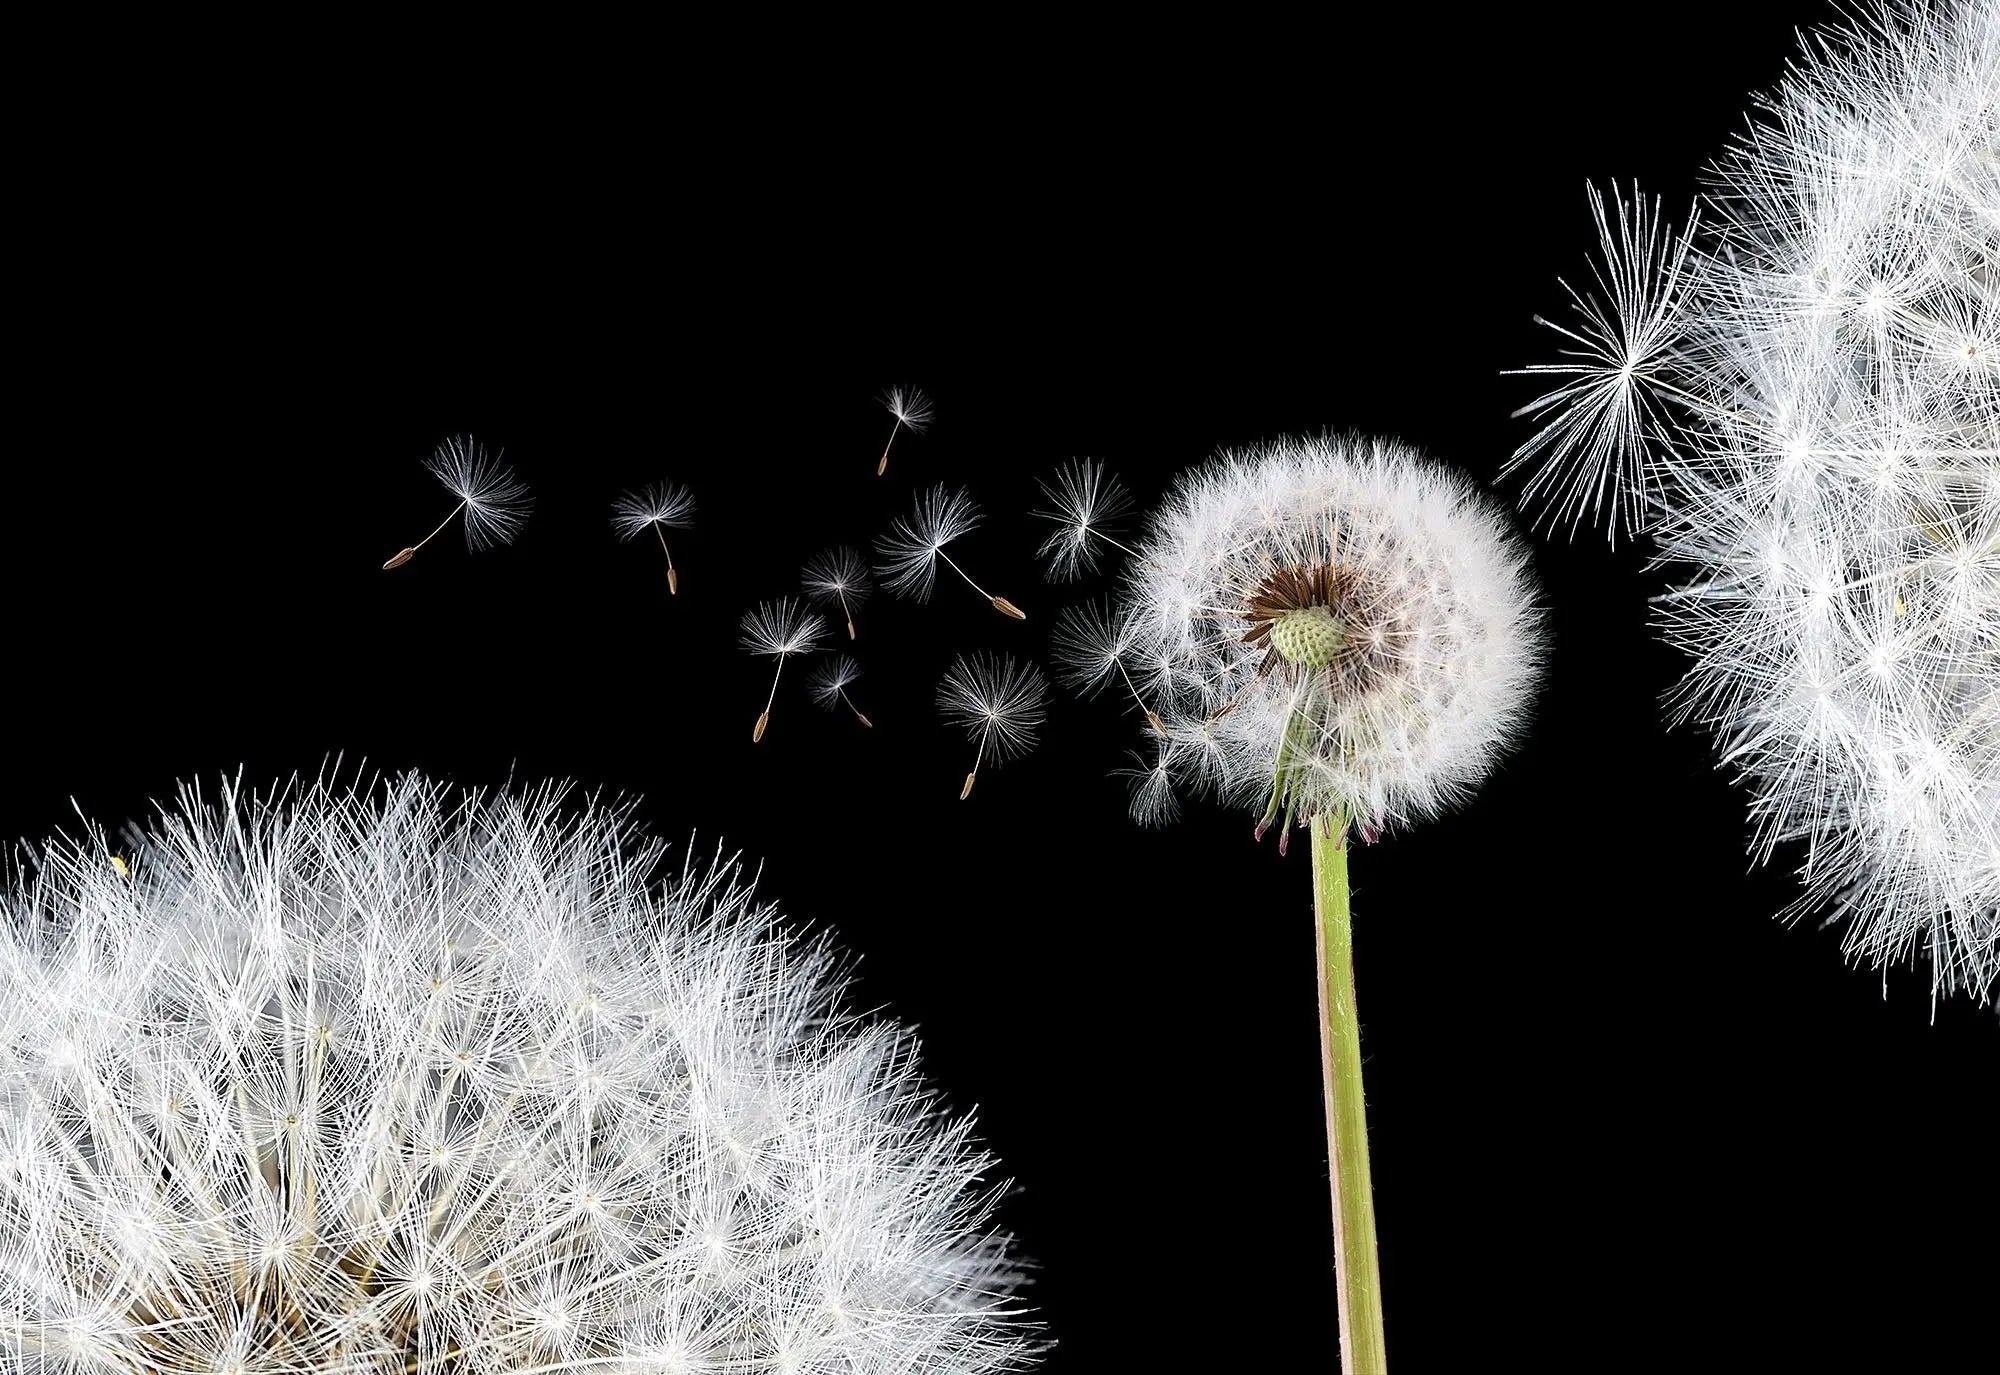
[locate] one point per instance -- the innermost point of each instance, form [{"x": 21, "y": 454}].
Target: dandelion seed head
[
  {"x": 997, "y": 699},
  {"x": 1821, "y": 457},
  {"x": 831, "y": 677},
  {"x": 495, "y": 503},
  {"x": 910, "y": 406},
  {"x": 837, "y": 576},
  {"x": 777, "y": 629},
  {"x": 718, "y": 1168},
  {"x": 1088, "y": 506},
  {"x": 1339, "y": 618},
  {"x": 910, "y": 548},
  {"x": 661, "y": 504}
]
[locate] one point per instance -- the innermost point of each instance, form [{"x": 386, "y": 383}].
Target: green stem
[{"x": 1359, "y": 1272}]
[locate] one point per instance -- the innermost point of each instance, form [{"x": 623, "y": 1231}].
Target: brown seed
[
  {"x": 762, "y": 721},
  {"x": 966, "y": 791},
  {"x": 883, "y": 466},
  {"x": 865, "y": 721},
  {"x": 1007, "y": 608},
  {"x": 399, "y": 560},
  {"x": 850, "y": 630},
  {"x": 1158, "y": 725},
  {"x": 673, "y": 583}
]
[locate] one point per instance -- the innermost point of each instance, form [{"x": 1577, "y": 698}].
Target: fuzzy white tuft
[
  {"x": 1814, "y": 423},
  {"x": 494, "y": 501},
  {"x": 1329, "y": 628},
  {"x": 401, "y": 1083}
]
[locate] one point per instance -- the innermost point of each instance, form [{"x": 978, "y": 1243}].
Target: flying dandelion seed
[
  {"x": 778, "y": 630},
  {"x": 1089, "y": 647},
  {"x": 1088, "y": 506},
  {"x": 1806, "y": 387},
  {"x": 912, "y": 410},
  {"x": 493, "y": 502},
  {"x": 661, "y": 507},
  {"x": 998, "y": 701},
  {"x": 837, "y": 577},
  {"x": 829, "y": 681},
  {"x": 395, "y": 1081},
  {"x": 913, "y": 545}
]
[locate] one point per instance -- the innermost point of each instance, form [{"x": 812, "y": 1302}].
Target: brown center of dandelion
[{"x": 1303, "y": 616}]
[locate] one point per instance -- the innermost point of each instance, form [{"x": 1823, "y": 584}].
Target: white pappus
[
  {"x": 394, "y": 1081},
  {"x": 1807, "y": 405},
  {"x": 1332, "y": 630},
  {"x": 493, "y": 502}
]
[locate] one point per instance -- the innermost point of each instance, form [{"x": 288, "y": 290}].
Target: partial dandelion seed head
[
  {"x": 777, "y": 629},
  {"x": 997, "y": 700},
  {"x": 494, "y": 502},
  {"x": 663, "y": 504},
  {"x": 403, "y": 1081},
  {"x": 831, "y": 677},
  {"x": 1337, "y": 625},
  {"x": 1821, "y": 453},
  {"x": 910, "y": 407},
  {"x": 909, "y": 550},
  {"x": 1088, "y": 507},
  {"x": 837, "y": 576}
]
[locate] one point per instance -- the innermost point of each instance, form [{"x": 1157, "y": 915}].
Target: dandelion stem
[
  {"x": 1000, "y": 604},
  {"x": 673, "y": 578},
  {"x": 404, "y": 555},
  {"x": 883, "y": 466},
  {"x": 1359, "y": 1272}
]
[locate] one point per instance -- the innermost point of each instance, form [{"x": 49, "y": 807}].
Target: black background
[{"x": 1620, "y": 1116}]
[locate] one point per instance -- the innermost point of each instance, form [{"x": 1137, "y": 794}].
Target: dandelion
[
  {"x": 913, "y": 545},
  {"x": 661, "y": 507},
  {"x": 828, "y": 684},
  {"x": 912, "y": 410},
  {"x": 493, "y": 502},
  {"x": 1812, "y": 407},
  {"x": 1089, "y": 646},
  {"x": 778, "y": 630},
  {"x": 837, "y": 577},
  {"x": 393, "y": 1080},
  {"x": 1088, "y": 505},
  {"x": 1000, "y": 703},
  {"x": 1338, "y": 635}
]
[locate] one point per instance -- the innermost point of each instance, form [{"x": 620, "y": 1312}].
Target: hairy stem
[{"x": 1358, "y": 1270}]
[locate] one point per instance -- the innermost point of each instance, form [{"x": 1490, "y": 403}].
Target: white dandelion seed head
[
  {"x": 778, "y": 629},
  {"x": 1826, "y": 489},
  {"x": 495, "y": 502},
  {"x": 1088, "y": 506},
  {"x": 1155, "y": 800},
  {"x": 1335, "y": 624},
  {"x": 910, "y": 406},
  {"x": 837, "y": 576},
  {"x": 398, "y": 1082},
  {"x": 997, "y": 700},
  {"x": 664, "y": 503},
  {"x": 831, "y": 677},
  {"x": 1090, "y": 643},
  {"x": 910, "y": 548}
]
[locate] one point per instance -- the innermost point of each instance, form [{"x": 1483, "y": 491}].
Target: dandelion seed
[
  {"x": 837, "y": 577},
  {"x": 912, "y": 410},
  {"x": 660, "y": 507},
  {"x": 999, "y": 701},
  {"x": 1089, "y": 646},
  {"x": 1609, "y": 414},
  {"x": 1087, "y": 505},
  {"x": 1816, "y": 422},
  {"x": 913, "y": 545},
  {"x": 492, "y": 501},
  {"x": 399, "y": 1080},
  {"x": 778, "y": 630},
  {"x": 828, "y": 684}
]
